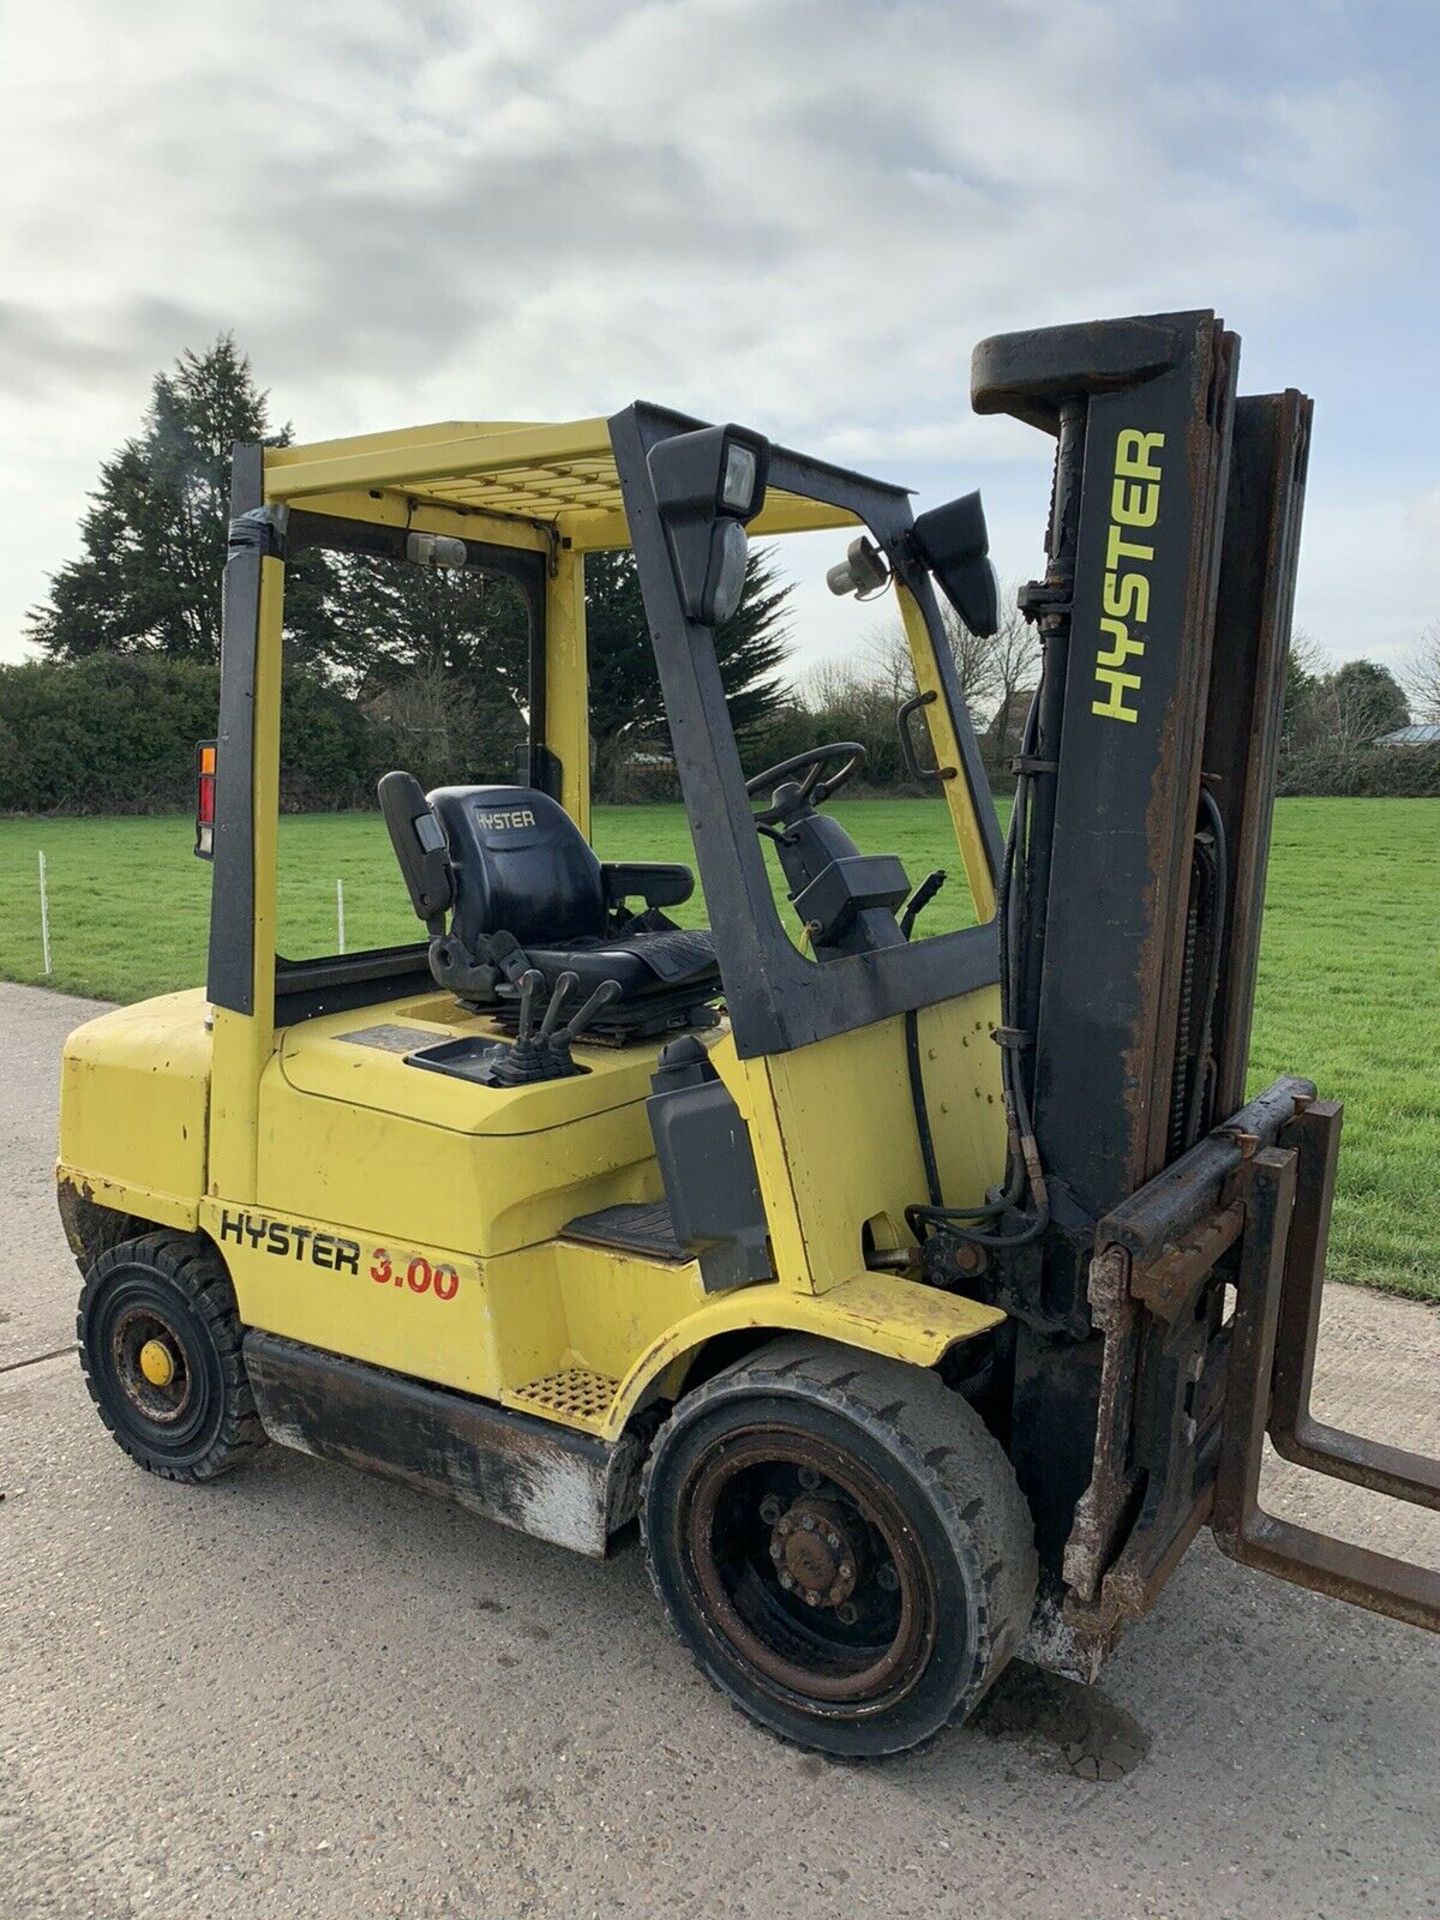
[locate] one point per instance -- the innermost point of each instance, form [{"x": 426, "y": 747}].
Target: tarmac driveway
[{"x": 301, "y": 1692}]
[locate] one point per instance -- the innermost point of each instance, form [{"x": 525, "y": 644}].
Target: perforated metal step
[
  {"x": 572, "y": 1394},
  {"x": 645, "y": 1228}
]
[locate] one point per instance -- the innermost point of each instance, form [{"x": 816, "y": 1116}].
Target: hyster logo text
[
  {"x": 517, "y": 817},
  {"x": 287, "y": 1242},
  {"x": 1134, "y": 503}
]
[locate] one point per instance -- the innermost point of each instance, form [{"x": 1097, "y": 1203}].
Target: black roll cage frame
[{"x": 777, "y": 997}]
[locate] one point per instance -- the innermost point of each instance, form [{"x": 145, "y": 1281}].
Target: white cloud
[{"x": 803, "y": 211}]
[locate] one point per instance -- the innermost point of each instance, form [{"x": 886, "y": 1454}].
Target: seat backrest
[{"x": 519, "y": 865}]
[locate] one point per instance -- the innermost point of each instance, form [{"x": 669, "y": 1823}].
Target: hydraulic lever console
[
  {"x": 546, "y": 1055},
  {"x": 534, "y": 1055}
]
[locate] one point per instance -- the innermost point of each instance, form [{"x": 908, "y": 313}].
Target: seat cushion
[{"x": 641, "y": 962}]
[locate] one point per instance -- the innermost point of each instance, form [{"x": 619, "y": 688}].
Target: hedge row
[
  {"x": 116, "y": 734},
  {"x": 1391, "y": 773}
]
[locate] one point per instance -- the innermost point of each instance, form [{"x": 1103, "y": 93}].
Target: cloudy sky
[{"x": 797, "y": 213}]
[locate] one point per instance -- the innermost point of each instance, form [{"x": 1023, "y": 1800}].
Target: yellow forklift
[{"x": 923, "y": 1296}]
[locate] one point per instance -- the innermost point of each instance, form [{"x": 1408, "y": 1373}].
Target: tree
[
  {"x": 441, "y": 655},
  {"x": 154, "y": 535},
  {"x": 1422, "y": 675},
  {"x": 1362, "y": 700},
  {"x": 1015, "y": 662},
  {"x": 627, "y": 713},
  {"x": 1305, "y": 665}
]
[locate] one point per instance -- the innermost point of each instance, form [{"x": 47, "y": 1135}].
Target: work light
[
  {"x": 738, "y": 489},
  {"x": 708, "y": 483},
  {"x": 435, "y": 550}
]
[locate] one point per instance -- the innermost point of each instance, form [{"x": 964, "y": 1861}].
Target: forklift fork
[
  {"x": 1279, "y": 1284},
  {"x": 1186, "y": 1400}
]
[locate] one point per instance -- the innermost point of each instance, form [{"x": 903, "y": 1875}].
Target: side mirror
[
  {"x": 954, "y": 543},
  {"x": 708, "y": 483}
]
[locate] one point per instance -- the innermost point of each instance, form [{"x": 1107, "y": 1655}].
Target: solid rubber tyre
[
  {"x": 171, "y": 1290},
  {"x": 910, "y": 1473}
]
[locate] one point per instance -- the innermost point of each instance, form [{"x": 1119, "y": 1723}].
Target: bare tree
[
  {"x": 1420, "y": 675},
  {"x": 1307, "y": 657},
  {"x": 975, "y": 663},
  {"x": 1015, "y": 653},
  {"x": 890, "y": 666}
]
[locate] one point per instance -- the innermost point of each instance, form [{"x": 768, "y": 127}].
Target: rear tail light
[{"x": 205, "y": 800}]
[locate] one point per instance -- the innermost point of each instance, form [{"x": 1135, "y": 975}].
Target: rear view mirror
[{"x": 954, "y": 543}]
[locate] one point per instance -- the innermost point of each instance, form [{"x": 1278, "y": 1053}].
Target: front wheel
[
  {"x": 842, "y": 1545},
  {"x": 160, "y": 1344}
]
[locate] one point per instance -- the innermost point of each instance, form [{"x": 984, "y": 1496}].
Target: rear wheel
[
  {"x": 841, "y": 1543},
  {"x": 160, "y": 1345}
]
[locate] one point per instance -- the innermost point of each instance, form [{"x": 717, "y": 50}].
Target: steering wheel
[{"x": 812, "y": 788}]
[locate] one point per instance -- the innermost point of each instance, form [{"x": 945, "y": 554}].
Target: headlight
[
  {"x": 708, "y": 483},
  {"x": 729, "y": 554},
  {"x": 738, "y": 488}
]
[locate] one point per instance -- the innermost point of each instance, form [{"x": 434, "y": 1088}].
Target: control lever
[
  {"x": 525, "y": 1061},
  {"x": 545, "y": 1055},
  {"x": 607, "y": 992},
  {"x": 920, "y": 899},
  {"x": 531, "y": 981},
  {"x": 563, "y": 987}
]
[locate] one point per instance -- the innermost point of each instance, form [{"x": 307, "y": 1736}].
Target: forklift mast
[
  {"x": 1164, "y": 618},
  {"x": 1130, "y": 923}
]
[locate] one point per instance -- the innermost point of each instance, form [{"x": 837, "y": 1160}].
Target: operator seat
[{"x": 523, "y": 888}]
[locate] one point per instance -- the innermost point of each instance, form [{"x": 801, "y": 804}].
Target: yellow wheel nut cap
[{"x": 157, "y": 1363}]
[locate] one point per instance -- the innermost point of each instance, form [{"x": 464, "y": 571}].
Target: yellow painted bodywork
[
  {"x": 958, "y": 797},
  {"x": 134, "y": 1109},
  {"x": 416, "y": 1221}
]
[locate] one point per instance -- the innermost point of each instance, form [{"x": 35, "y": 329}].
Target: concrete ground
[{"x": 301, "y": 1692}]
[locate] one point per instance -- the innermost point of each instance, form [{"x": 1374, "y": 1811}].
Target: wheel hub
[
  {"x": 814, "y": 1553},
  {"x": 157, "y": 1362},
  {"x": 151, "y": 1366}
]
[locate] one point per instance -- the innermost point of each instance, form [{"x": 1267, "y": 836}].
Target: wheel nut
[
  {"x": 832, "y": 1540},
  {"x": 888, "y": 1578},
  {"x": 808, "y": 1522},
  {"x": 812, "y": 1599},
  {"x": 787, "y": 1580},
  {"x": 847, "y": 1613},
  {"x": 776, "y": 1549},
  {"x": 808, "y": 1478},
  {"x": 847, "y": 1572},
  {"x": 771, "y": 1509}
]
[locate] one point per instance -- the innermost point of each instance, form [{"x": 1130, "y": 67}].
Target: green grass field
[{"x": 1349, "y": 983}]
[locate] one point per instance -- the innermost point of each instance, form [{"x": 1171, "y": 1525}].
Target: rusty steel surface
[
  {"x": 1155, "y": 1255},
  {"x": 1166, "y": 1285},
  {"x": 786, "y": 1608},
  {"x": 1314, "y": 1133},
  {"x": 1173, "y": 1204},
  {"x": 1243, "y": 1530},
  {"x": 1264, "y": 504},
  {"x": 510, "y": 1467}
]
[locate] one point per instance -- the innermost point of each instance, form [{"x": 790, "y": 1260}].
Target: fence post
[
  {"x": 44, "y": 916},
  {"x": 340, "y": 914}
]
